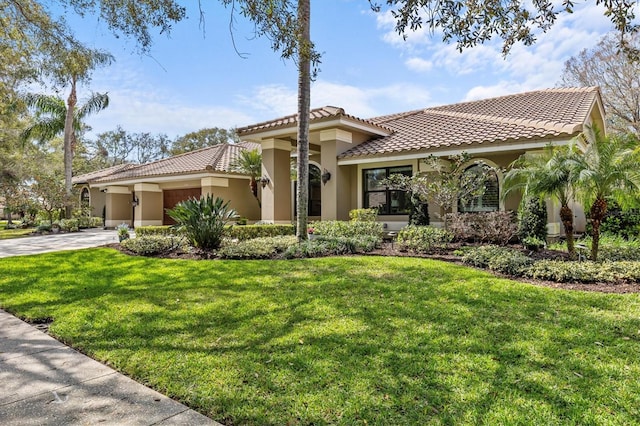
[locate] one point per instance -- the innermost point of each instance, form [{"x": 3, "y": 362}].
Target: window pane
[
  {"x": 399, "y": 202},
  {"x": 376, "y": 200},
  {"x": 405, "y": 170},
  {"x": 373, "y": 179},
  {"x": 487, "y": 202}
]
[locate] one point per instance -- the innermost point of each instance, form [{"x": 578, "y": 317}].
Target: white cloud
[{"x": 419, "y": 64}]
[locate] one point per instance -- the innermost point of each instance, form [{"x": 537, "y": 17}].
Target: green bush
[
  {"x": 624, "y": 223},
  {"x": 247, "y": 232},
  {"x": 203, "y": 220},
  {"x": 423, "y": 239},
  {"x": 324, "y": 246},
  {"x": 363, "y": 215},
  {"x": 532, "y": 219},
  {"x": 150, "y": 245},
  {"x": 341, "y": 229},
  {"x": 70, "y": 225},
  {"x": 84, "y": 222},
  {"x": 156, "y": 230},
  {"x": 96, "y": 222},
  {"x": 499, "y": 259},
  {"x": 256, "y": 248},
  {"x": 585, "y": 272}
]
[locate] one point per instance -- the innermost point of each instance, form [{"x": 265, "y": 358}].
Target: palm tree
[
  {"x": 249, "y": 163},
  {"x": 53, "y": 118},
  {"x": 546, "y": 174},
  {"x": 608, "y": 168}
]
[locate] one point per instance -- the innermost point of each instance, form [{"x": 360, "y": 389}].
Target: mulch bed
[{"x": 388, "y": 249}]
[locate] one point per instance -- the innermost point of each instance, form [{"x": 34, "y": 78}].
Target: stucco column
[
  {"x": 149, "y": 209},
  {"x": 336, "y": 192},
  {"x": 276, "y": 195},
  {"x": 118, "y": 206}
]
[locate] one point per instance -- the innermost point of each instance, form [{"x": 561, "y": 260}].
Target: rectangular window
[{"x": 376, "y": 195}]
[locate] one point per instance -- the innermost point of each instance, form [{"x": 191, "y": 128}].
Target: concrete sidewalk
[
  {"x": 57, "y": 242},
  {"x": 43, "y": 382}
]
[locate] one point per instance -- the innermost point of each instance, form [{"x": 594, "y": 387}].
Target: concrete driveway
[{"x": 57, "y": 242}]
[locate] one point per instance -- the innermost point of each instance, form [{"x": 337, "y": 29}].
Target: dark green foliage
[
  {"x": 532, "y": 218},
  {"x": 203, "y": 221},
  {"x": 499, "y": 259},
  {"x": 625, "y": 223},
  {"x": 150, "y": 245},
  {"x": 334, "y": 246},
  {"x": 423, "y": 239},
  {"x": 247, "y": 232},
  {"x": 418, "y": 211}
]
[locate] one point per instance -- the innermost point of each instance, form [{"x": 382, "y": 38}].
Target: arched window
[
  {"x": 84, "y": 197},
  {"x": 490, "y": 200}
]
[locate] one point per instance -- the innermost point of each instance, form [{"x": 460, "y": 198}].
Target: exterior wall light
[
  {"x": 135, "y": 202},
  {"x": 326, "y": 176},
  {"x": 264, "y": 181}
]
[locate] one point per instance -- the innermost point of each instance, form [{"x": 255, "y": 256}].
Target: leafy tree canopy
[{"x": 202, "y": 139}]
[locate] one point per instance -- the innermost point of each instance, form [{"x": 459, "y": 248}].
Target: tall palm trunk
[
  {"x": 597, "y": 212},
  {"x": 69, "y": 139},
  {"x": 566, "y": 216},
  {"x": 304, "y": 100}
]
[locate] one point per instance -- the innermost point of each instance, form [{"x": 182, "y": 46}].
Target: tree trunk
[
  {"x": 69, "y": 139},
  {"x": 566, "y": 216},
  {"x": 304, "y": 100},
  {"x": 597, "y": 212},
  {"x": 253, "y": 185}
]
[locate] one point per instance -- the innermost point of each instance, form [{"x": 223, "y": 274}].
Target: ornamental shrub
[
  {"x": 423, "y": 239},
  {"x": 96, "y": 222},
  {"x": 585, "y": 272},
  {"x": 340, "y": 229},
  {"x": 149, "y": 245},
  {"x": 69, "y": 225},
  {"x": 256, "y": 248},
  {"x": 324, "y": 246},
  {"x": 247, "y": 232},
  {"x": 363, "y": 215},
  {"x": 203, "y": 220},
  {"x": 532, "y": 219},
  {"x": 497, "y": 227},
  {"x": 623, "y": 223},
  {"x": 499, "y": 259},
  {"x": 156, "y": 230}
]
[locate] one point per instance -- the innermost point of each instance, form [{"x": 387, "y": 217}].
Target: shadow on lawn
[{"x": 385, "y": 340}]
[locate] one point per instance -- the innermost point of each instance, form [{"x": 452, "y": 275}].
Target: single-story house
[
  {"x": 349, "y": 156},
  {"x": 138, "y": 194}
]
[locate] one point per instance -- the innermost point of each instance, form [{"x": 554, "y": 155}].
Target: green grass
[
  {"x": 6, "y": 234},
  {"x": 350, "y": 340}
]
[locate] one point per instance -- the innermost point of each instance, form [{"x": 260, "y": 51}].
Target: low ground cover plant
[
  {"x": 151, "y": 245},
  {"x": 403, "y": 341},
  {"x": 423, "y": 239},
  {"x": 342, "y": 229}
]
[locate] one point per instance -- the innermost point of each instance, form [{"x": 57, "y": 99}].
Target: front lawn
[
  {"x": 6, "y": 234},
  {"x": 343, "y": 340}
]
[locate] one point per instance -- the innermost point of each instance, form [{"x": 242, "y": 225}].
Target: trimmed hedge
[
  {"x": 248, "y": 232},
  {"x": 499, "y": 259},
  {"x": 256, "y": 248},
  {"x": 70, "y": 225},
  {"x": 149, "y": 245},
  {"x": 336, "y": 246},
  {"x": 585, "y": 272},
  {"x": 423, "y": 239},
  {"x": 143, "y": 231},
  {"x": 353, "y": 229}
]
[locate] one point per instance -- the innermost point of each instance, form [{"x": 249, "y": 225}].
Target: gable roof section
[
  {"x": 217, "y": 158},
  {"x": 538, "y": 115},
  {"x": 316, "y": 115},
  {"x": 88, "y": 177}
]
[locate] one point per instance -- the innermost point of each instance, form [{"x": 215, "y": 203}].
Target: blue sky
[{"x": 191, "y": 81}]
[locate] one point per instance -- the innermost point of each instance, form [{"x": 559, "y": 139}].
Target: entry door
[{"x": 171, "y": 197}]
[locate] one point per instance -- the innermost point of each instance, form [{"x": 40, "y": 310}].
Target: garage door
[{"x": 171, "y": 197}]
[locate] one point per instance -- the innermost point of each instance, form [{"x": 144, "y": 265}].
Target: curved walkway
[{"x": 44, "y": 382}]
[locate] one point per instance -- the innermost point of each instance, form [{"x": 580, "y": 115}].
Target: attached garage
[{"x": 171, "y": 197}]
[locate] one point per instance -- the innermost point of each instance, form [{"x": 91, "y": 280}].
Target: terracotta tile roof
[
  {"x": 87, "y": 177},
  {"x": 316, "y": 115},
  {"x": 217, "y": 158},
  {"x": 522, "y": 117}
]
